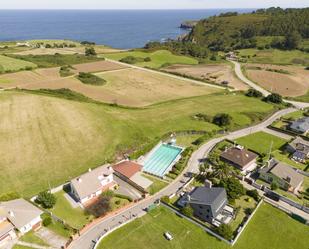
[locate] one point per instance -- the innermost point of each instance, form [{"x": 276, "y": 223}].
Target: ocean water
[{"x": 116, "y": 28}]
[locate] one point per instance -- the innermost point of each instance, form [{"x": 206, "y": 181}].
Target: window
[{"x": 201, "y": 207}]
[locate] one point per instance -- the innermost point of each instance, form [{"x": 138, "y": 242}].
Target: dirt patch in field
[
  {"x": 99, "y": 66},
  {"x": 216, "y": 73},
  {"x": 293, "y": 83}
]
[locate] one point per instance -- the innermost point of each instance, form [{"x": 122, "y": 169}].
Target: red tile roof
[{"x": 127, "y": 168}]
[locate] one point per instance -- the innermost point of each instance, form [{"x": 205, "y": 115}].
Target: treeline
[
  {"x": 181, "y": 47},
  {"x": 236, "y": 31}
]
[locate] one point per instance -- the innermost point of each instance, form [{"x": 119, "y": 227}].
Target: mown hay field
[{"x": 48, "y": 140}]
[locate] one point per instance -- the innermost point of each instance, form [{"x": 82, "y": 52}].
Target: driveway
[
  {"x": 54, "y": 240},
  {"x": 127, "y": 189}
]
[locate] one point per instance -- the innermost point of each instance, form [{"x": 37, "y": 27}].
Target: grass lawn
[
  {"x": 275, "y": 56},
  {"x": 52, "y": 140},
  {"x": 74, "y": 216},
  {"x": 158, "y": 58},
  {"x": 294, "y": 115},
  {"x": 304, "y": 98},
  {"x": 59, "y": 228},
  {"x": 30, "y": 237},
  {"x": 187, "y": 140},
  {"x": 11, "y": 64},
  {"x": 157, "y": 184},
  {"x": 243, "y": 203},
  {"x": 261, "y": 142},
  {"x": 117, "y": 203},
  {"x": 22, "y": 247},
  {"x": 45, "y": 61},
  {"x": 269, "y": 226}
]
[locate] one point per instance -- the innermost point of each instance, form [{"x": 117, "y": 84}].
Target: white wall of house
[{"x": 28, "y": 227}]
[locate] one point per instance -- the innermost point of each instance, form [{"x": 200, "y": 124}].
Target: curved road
[
  {"x": 85, "y": 240},
  {"x": 241, "y": 76}
]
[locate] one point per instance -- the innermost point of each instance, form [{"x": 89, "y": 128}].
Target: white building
[{"x": 90, "y": 185}]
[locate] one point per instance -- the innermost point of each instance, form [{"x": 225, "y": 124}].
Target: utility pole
[{"x": 270, "y": 149}]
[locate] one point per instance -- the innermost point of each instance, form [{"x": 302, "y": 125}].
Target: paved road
[
  {"x": 241, "y": 76},
  {"x": 85, "y": 241}
]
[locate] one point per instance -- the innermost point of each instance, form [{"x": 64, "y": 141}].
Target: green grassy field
[
  {"x": 261, "y": 142},
  {"x": 45, "y": 61},
  {"x": 48, "y": 140},
  {"x": 11, "y": 64},
  {"x": 157, "y": 184},
  {"x": 275, "y": 56},
  {"x": 158, "y": 58},
  {"x": 30, "y": 237},
  {"x": 269, "y": 229},
  {"x": 76, "y": 217}
]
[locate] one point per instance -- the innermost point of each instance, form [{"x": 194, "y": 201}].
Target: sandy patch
[{"x": 216, "y": 73}]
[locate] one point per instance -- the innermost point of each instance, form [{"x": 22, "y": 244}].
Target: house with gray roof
[
  {"x": 90, "y": 185},
  {"x": 299, "y": 148},
  {"x": 283, "y": 174},
  {"x": 300, "y": 126},
  {"x": 18, "y": 215},
  {"x": 207, "y": 202}
]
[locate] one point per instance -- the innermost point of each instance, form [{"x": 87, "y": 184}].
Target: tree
[
  {"x": 187, "y": 210},
  {"x": 254, "y": 93},
  {"x": 46, "y": 199},
  {"x": 292, "y": 40},
  {"x": 225, "y": 231},
  {"x": 274, "y": 98},
  {"x": 47, "y": 221},
  {"x": 100, "y": 207},
  {"x": 222, "y": 119},
  {"x": 254, "y": 194},
  {"x": 233, "y": 188},
  {"x": 274, "y": 186},
  {"x": 90, "y": 51},
  {"x": 222, "y": 171}
]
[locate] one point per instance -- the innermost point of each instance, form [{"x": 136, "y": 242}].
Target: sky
[{"x": 148, "y": 4}]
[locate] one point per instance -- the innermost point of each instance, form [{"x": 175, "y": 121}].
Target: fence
[
  {"x": 197, "y": 223},
  {"x": 246, "y": 223}
]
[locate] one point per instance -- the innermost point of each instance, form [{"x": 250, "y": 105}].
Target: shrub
[
  {"x": 9, "y": 196},
  {"x": 274, "y": 98},
  {"x": 225, "y": 231},
  {"x": 254, "y": 194},
  {"x": 90, "y": 79},
  {"x": 147, "y": 59},
  {"x": 274, "y": 186},
  {"x": 233, "y": 188},
  {"x": 46, "y": 199},
  {"x": 47, "y": 221},
  {"x": 187, "y": 210},
  {"x": 90, "y": 51},
  {"x": 307, "y": 68},
  {"x": 132, "y": 60},
  {"x": 101, "y": 207},
  {"x": 124, "y": 197},
  {"x": 108, "y": 193},
  {"x": 117, "y": 202},
  {"x": 254, "y": 93},
  {"x": 165, "y": 199},
  {"x": 222, "y": 119}
]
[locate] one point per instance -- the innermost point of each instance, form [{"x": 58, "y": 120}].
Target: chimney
[
  {"x": 79, "y": 180},
  {"x": 208, "y": 184},
  {"x": 109, "y": 168},
  {"x": 288, "y": 179},
  {"x": 11, "y": 213}
]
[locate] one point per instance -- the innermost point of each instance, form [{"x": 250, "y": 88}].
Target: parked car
[{"x": 168, "y": 236}]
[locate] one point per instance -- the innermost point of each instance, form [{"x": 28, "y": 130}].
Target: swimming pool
[{"x": 161, "y": 160}]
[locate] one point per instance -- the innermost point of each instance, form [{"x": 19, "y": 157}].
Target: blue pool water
[{"x": 161, "y": 159}]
